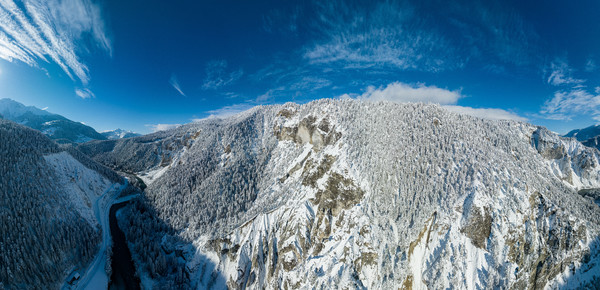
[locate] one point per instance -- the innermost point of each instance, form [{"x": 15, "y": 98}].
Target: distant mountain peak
[
  {"x": 585, "y": 133},
  {"x": 119, "y": 134}
]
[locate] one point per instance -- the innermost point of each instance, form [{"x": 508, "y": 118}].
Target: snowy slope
[
  {"x": 80, "y": 184},
  {"x": 346, "y": 194}
]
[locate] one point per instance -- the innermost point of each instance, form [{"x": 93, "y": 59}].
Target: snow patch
[{"x": 82, "y": 185}]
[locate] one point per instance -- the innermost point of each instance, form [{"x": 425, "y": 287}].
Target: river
[{"x": 123, "y": 270}]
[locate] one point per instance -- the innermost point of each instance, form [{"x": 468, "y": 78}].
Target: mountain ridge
[
  {"x": 584, "y": 133},
  {"x": 119, "y": 134},
  {"x": 57, "y": 127},
  {"x": 372, "y": 195}
]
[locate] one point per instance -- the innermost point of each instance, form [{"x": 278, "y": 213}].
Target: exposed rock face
[
  {"x": 548, "y": 144},
  {"x": 542, "y": 260},
  {"x": 308, "y": 130},
  {"x": 478, "y": 227}
]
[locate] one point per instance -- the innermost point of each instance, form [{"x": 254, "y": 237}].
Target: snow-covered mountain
[
  {"x": 119, "y": 134},
  {"x": 57, "y": 127},
  {"x": 589, "y": 136},
  {"x": 50, "y": 197},
  {"x": 585, "y": 133},
  {"x": 350, "y": 194}
]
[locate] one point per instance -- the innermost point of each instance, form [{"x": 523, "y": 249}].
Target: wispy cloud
[
  {"x": 410, "y": 35},
  {"x": 282, "y": 21},
  {"x": 218, "y": 75},
  {"x": 565, "y": 105},
  {"x": 175, "y": 83},
  {"x": 486, "y": 113},
  {"x": 226, "y": 111},
  {"x": 401, "y": 93},
  {"x": 386, "y": 35},
  {"x": 291, "y": 84},
  {"x": 310, "y": 83},
  {"x": 84, "y": 93},
  {"x": 590, "y": 65},
  {"x": 491, "y": 32},
  {"x": 271, "y": 94},
  {"x": 560, "y": 73},
  {"x": 352, "y": 44},
  {"x": 574, "y": 98},
  {"x": 162, "y": 127},
  {"x": 287, "y": 79},
  {"x": 39, "y": 31}
]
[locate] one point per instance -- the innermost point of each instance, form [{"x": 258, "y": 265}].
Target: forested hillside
[
  {"x": 355, "y": 194},
  {"x": 139, "y": 153},
  {"x": 46, "y": 194}
]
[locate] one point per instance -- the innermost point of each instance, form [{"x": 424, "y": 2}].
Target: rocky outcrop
[
  {"x": 548, "y": 144},
  {"x": 318, "y": 133},
  {"x": 478, "y": 227}
]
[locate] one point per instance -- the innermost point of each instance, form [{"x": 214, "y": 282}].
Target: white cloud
[
  {"x": 40, "y": 31},
  {"x": 567, "y": 104},
  {"x": 173, "y": 81},
  {"x": 590, "y": 65},
  {"x": 486, "y": 113},
  {"x": 162, "y": 127},
  {"x": 225, "y": 112},
  {"x": 270, "y": 95},
  {"x": 400, "y": 93},
  {"x": 84, "y": 93},
  {"x": 217, "y": 75},
  {"x": 266, "y": 96},
  {"x": 561, "y": 74},
  {"x": 310, "y": 83}
]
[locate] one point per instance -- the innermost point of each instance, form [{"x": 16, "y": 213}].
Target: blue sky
[{"x": 146, "y": 65}]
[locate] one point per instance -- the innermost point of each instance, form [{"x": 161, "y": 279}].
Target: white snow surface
[{"x": 82, "y": 185}]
